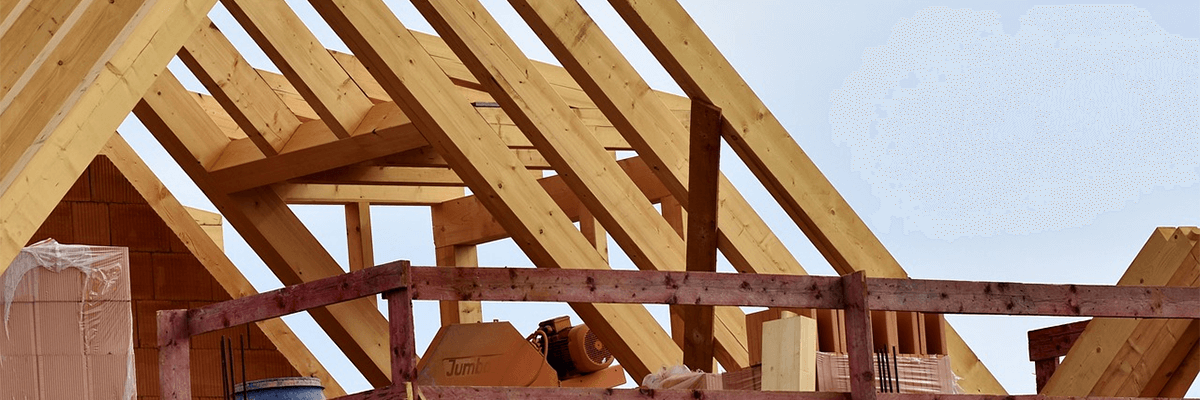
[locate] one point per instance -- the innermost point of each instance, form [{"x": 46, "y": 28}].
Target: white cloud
[{"x": 964, "y": 130}]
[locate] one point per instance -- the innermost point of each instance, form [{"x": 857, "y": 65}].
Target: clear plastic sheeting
[
  {"x": 68, "y": 324},
  {"x": 680, "y": 377},
  {"x": 917, "y": 374}
]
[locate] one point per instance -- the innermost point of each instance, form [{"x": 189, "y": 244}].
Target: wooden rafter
[
  {"x": 267, "y": 225},
  {"x": 298, "y": 54},
  {"x": 569, "y": 145},
  {"x": 455, "y": 130},
  {"x": 1122, "y": 357},
  {"x": 770, "y": 152},
  {"x": 49, "y": 141},
  {"x": 646, "y": 122},
  {"x": 239, "y": 88},
  {"x": 213, "y": 258}
]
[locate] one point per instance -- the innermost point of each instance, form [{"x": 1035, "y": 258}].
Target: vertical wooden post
[
  {"x": 459, "y": 312},
  {"x": 400, "y": 328},
  {"x": 859, "y": 337},
  {"x": 1043, "y": 370},
  {"x": 359, "y": 242},
  {"x": 174, "y": 365},
  {"x": 704, "y": 171}
]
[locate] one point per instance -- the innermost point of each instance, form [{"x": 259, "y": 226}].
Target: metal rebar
[
  {"x": 242, "y": 347},
  {"x": 896, "y": 367},
  {"x": 225, "y": 389}
]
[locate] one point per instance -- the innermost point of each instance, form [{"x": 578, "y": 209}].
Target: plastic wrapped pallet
[
  {"x": 918, "y": 374},
  {"x": 68, "y": 326}
]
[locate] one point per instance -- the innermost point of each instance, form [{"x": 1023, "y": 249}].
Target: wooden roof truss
[{"x": 412, "y": 119}]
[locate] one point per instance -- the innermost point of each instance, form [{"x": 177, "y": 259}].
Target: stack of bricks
[{"x": 103, "y": 209}]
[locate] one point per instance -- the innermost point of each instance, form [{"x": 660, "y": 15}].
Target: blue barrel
[{"x": 280, "y": 389}]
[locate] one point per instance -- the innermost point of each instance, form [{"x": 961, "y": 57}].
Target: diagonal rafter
[
  {"x": 647, "y": 122},
  {"x": 61, "y": 118},
  {"x": 307, "y": 65},
  {"x": 414, "y": 80},
  {"x": 268, "y": 226},
  {"x": 774, "y": 157},
  {"x": 237, "y": 86},
  {"x": 569, "y": 145}
]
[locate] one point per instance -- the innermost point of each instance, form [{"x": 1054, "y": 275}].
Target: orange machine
[{"x": 495, "y": 354}]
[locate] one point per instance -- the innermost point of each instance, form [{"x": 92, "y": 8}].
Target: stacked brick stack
[{"x": 103, "y": 209}]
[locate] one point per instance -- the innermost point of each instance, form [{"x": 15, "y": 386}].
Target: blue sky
[{"x": 796, "y": 55}]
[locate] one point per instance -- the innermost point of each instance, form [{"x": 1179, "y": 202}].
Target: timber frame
[
  {"x": 400, "y": 284},
  {"x": 415, "y": 119}
]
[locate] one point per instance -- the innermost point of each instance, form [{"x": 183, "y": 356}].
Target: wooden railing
[{"x": 400, "y": 284}]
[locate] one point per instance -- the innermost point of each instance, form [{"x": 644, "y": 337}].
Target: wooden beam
[
  {"x": 359, "y": 243},
  {"x": 572, "y": 149},
  {"x": 1154, "y": 342},
  {"x": 702, "y": 230},
  {"x": 455, "y": 130},
  {"x": 1101, "y": 344},
  {"x": 454, "y": 311},
  {"x": 270, "y": 228},
  {"x": 384, "y": 131},
  {"x": 1175, "y": 366},
  {"x": 208, "y": 251},
  {"x": 312, "y": 193},
  {"x": 27, "y": 33},
  {"x": 51, "y": 140},
  {"x": 770, "y": 152},
  {"x": 647, "y": 121},
  {"x": 299, "y": 55},
  {"x": 385, "y": 175},
  {"x": 789, "y": 354},
  {"x": 1055, "y": 341},
  {"x": 239, "y": 89}
]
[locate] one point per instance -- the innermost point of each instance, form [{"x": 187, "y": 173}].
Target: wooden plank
[
  {"x": 593, "y": 232},
  {"x": 789, "y": 354},
  {"x": 647, "y": 122},
  {"x": 174, "y": 378},
  {"x": 794, "y": 291},
  {"x": 183, "y": 222},
  {"x": 384, "y": 131},
  {"x": 754, "y": 330},
  {"x": 1097, "y": 348},
  {"x": 770, "y": 152},
  {"x": 1153, "y": 342},
  {"x": 27, "y": 33},
  {"x": 473, "y": 392},
  {"x": 411, "y": 76},
  {"x": 276, "y": 235},
  {"x": 702, "y": 229},
  {"x": 1174, "y": 364},
  {"x": 571, "y": 148},
  {"x": 296, "y": 298},
  {"x": 359, "y": 243},
  {"x": 675, "y": 215},
  {"x": 311, "y": 193},
  {"x": 454, "y": 311},
  {"x": 858, "y": 336},
  {"x": 298, "y": 54},
  {"x": 1055, "y": 341},
  {"x": 29, "y": 109},
  {"x": 1184, "y": 375},
  {"x": 400, "y": 329},
  {"x": 238, "y": 88},
  {"x": 52, "y": 150},
  {"x": 385, "y": 175}
]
